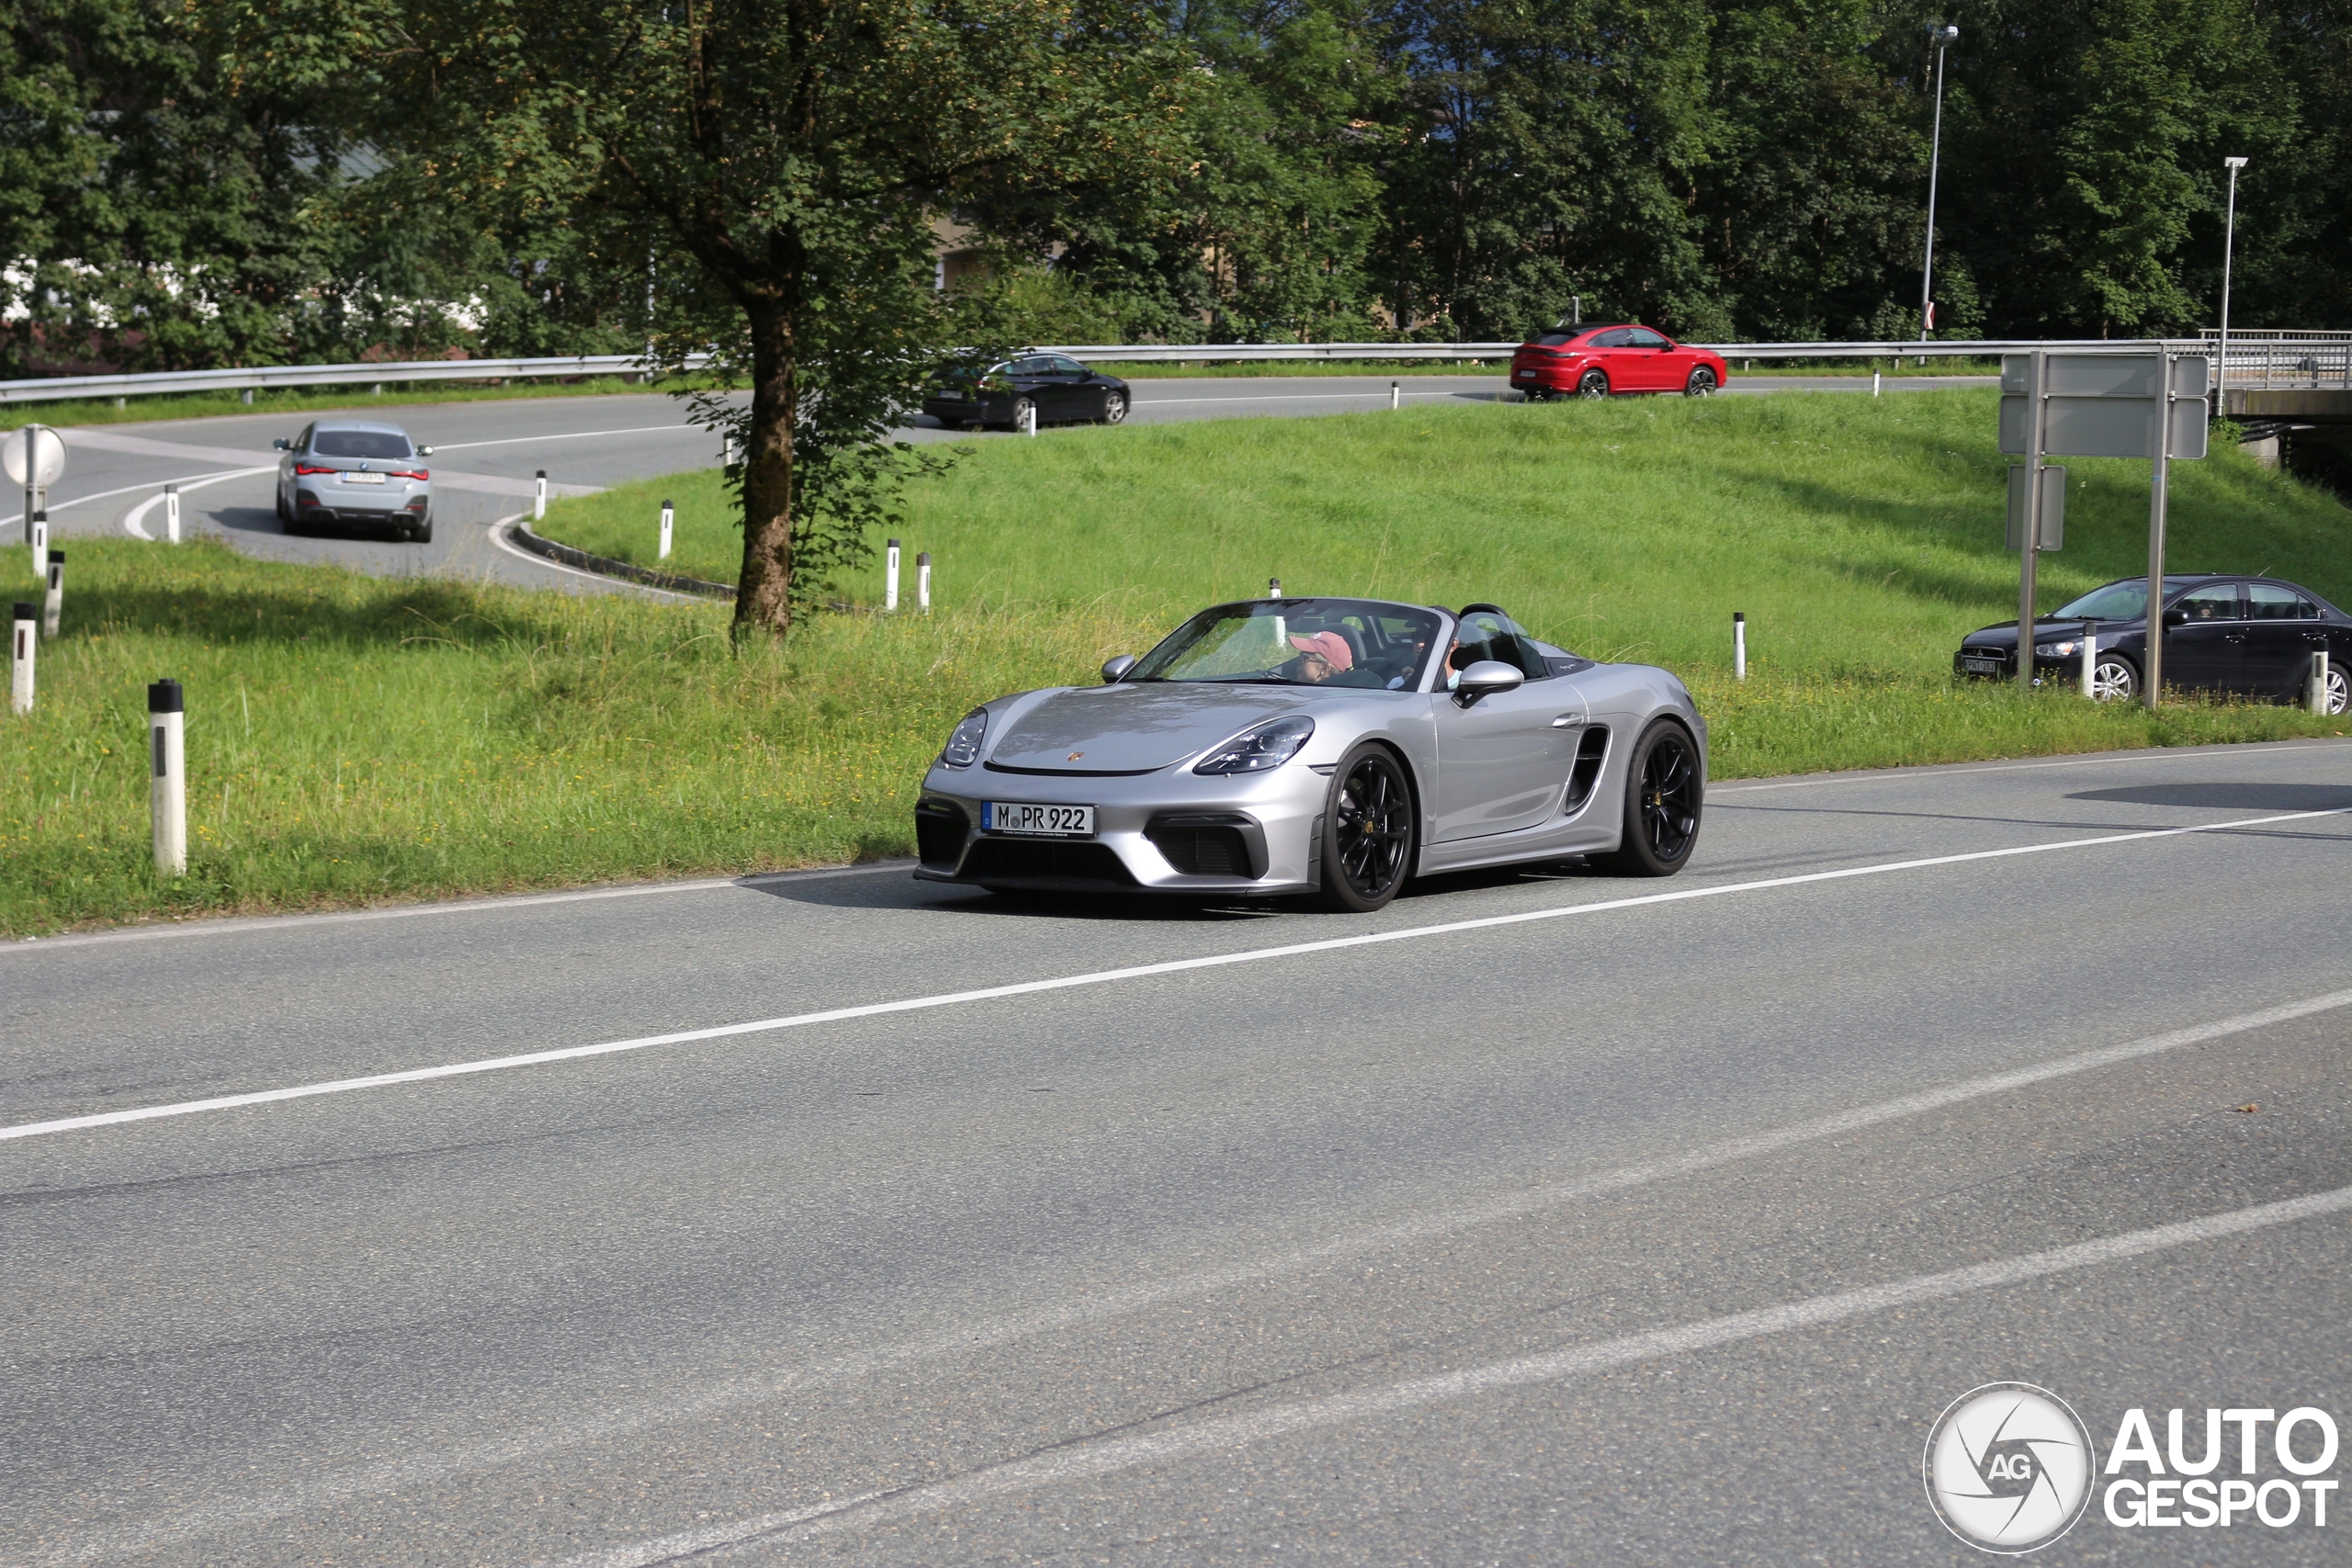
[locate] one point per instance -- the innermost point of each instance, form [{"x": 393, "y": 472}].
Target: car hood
[
  {"x": 1136, "y": 729},
  {"x": 2005, "y": 635}
]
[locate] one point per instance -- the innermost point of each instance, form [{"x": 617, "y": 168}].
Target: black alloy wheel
[
  {"x": 1701, "y": 384},
  {"x": 1662, "y": 800},
  {"x": 2114, "y": 679},
  {"x": 1368, "y": 832},
  {"x": 2340, "y": 690},
  {"x": 1593, "y": 384},
  {"x": 1115, "y": 406}
]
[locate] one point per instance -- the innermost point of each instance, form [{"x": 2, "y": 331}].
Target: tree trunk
[{"x": 763, "y": 590}]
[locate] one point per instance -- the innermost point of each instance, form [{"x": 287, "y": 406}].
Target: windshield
[
  {"x": 359, "y": 444},
  {"x": 2125, "y": 600},
  {"x": 1298, "y": 642}
]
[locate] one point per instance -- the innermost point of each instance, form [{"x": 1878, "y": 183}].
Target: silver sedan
[
  {"x": 1331, "y": 747},
  {"x": 351, "y": 473}
]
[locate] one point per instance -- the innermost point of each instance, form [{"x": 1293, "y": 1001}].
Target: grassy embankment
[{"x": 351, "y": 739}]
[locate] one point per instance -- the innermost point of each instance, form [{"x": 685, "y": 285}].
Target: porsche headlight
[
  {"x": 2057, "y": 650},
  {"x": 964, "y": 747},
  {"x": 1260, "y": 748}
]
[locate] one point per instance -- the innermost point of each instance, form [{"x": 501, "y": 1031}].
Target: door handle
[{"x": 1569, "y": 721}]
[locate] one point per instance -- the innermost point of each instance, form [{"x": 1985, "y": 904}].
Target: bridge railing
[{"x": 2281, "y": 359}]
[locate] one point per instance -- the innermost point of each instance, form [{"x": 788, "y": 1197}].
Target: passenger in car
[{"x": 1322, "y": 655}]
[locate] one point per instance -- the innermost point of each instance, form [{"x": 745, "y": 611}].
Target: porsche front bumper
[{"x": 1169, "y": 831}]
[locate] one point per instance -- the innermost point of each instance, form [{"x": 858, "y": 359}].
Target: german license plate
[
  {"x": 1981, "y": 666},
  {"x": 1038, "y": 821},
  {"x": 1524, "y": 374},
  {"x": 363, "y": 479}
]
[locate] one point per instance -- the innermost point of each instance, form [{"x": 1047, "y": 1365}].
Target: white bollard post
[
  {"x": 1029, "y": 420},
  {"x": 167, "y": 779},
  {"x": 668, "y": 516},
  {"x": 1273, "y": 588},
  {"x": 727, "y": 452},
  {"x": 1739, "y": 645},
  {"x": 890, "y": 575},
  {"x": 1875, "y": 377},
  {"x": 922, "y": 583},
  {"x": 20, "y": 663},
  {"x": 1395, "y": 396},
  {"x": 172, "y": 513},
  {"x": 52, "y": 604},
  {"x": 40, "y": 534},
  {"x": 539, "y": 499},
  {"x": 2319, "y": 681},
  {"x": 2090, "y": 664}
]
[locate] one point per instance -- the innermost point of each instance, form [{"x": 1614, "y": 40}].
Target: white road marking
[
  {"x": 138, "y": 514},
  {"x": 570, "y": 436},
  {"x": 17, "y": 517},
  {"x": 1101, "y": 1306},
  {"x": 1106, "y": 976},
  {"x": 1220, "y": 1436}
]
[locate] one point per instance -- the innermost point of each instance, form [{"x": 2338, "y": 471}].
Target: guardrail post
[
  {"x": 249, "y": 397},
  {"x": 53, "y": 606},
  {"x": 172, "y": 513},
  {"x": 20, "y": 662},
  {"x": 2319, "y": 681},
  {"x": 890, "y": 575},
  {"x": 668, "y": 514},
  {"x": 539, "y": 499},
  {"x": 167, "y": 776},
  {"x": 1738, "y": 646},
  {"x": 922, "y": 581}
]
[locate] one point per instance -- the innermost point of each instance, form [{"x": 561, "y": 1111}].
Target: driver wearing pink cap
[{"x": 1322, "y": 655}]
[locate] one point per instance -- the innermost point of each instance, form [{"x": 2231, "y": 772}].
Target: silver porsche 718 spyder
[{"x": 1331, "y": 747}]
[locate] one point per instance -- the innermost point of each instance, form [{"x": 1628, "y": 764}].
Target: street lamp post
[
  {"x": 2228, "y": 244},
  {"x": 1943, "y": 35}
]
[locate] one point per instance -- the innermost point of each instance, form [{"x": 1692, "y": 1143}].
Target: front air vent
[
  {"x": 1016, "y": 863},
  {"x": 1210, "y": 843},
  {"x": 941, "y": 829}
]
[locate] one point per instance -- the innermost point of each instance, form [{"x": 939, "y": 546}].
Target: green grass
[
  {"x": 309, "y": 399},
  {"x": 352, "y": 740}
]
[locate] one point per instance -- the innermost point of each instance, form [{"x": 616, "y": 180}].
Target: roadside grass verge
[{"x": 355, "y": 740}]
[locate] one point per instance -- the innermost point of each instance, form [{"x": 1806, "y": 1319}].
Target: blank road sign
[{"x": 2104, "y": 405}]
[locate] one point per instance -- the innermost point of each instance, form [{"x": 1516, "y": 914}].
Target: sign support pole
[
  {"x": 2159, "y": 478},
  {"x": 2028, "y": 559}
]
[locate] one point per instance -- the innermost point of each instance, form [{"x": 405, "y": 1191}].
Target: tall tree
[{"x": 770, "y": 170}]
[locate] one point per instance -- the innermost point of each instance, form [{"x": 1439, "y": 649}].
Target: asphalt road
[
  {"x": 1541, "y": 1218},
  {"x": 486, "y": 455}
]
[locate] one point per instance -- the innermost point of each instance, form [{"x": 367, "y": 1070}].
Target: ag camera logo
[{"x": 2009, "y": 1467}]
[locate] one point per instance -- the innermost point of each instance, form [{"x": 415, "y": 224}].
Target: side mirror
[
  {"x": 2176, "y": 617},
  {"x": 1116, "y": 670},
  {"x": 1486, "y": 678},
  {"x": 424, "y": 451},
  {"x": 283, "y": 444}
]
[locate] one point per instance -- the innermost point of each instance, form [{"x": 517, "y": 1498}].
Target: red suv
[{"x": 1592, "y": 362}]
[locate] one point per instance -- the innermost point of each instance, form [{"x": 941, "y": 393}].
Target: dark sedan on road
[
  {"x": 2251, "y": 637},
  {"x": 1054, "y": 388},
  {"x": 1596, "y": 362}
]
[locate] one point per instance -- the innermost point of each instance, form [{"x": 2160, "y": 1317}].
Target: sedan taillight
[
  {"x": 312, "y": 469},
  {"x": 410, "y": 473}
]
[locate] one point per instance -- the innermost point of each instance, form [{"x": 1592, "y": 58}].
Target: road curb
[{"x": 605, "y": 566}]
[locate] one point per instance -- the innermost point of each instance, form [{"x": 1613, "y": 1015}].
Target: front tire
[
  {"x": 1114, "y": 407},
  {"x": 1024, "y": 412},
  {"x": 2339, "y": 689},
  {"x": 1663, "y": 797},
  {"x": 2114, "y": 679},
  {"x": 1593, "y": 384},
  {"x": 1369, "y": 831},
  {"x": 1701, "y": 383}
]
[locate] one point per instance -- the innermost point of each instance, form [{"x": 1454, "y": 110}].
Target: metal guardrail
[
  {"x": 2264, "y": 360},
  {"x": 51, "y": 388}
]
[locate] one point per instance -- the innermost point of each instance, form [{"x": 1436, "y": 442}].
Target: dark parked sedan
[
  {"x": 1057, "y": 389},
  {"x": 2251, "y": 636}
]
